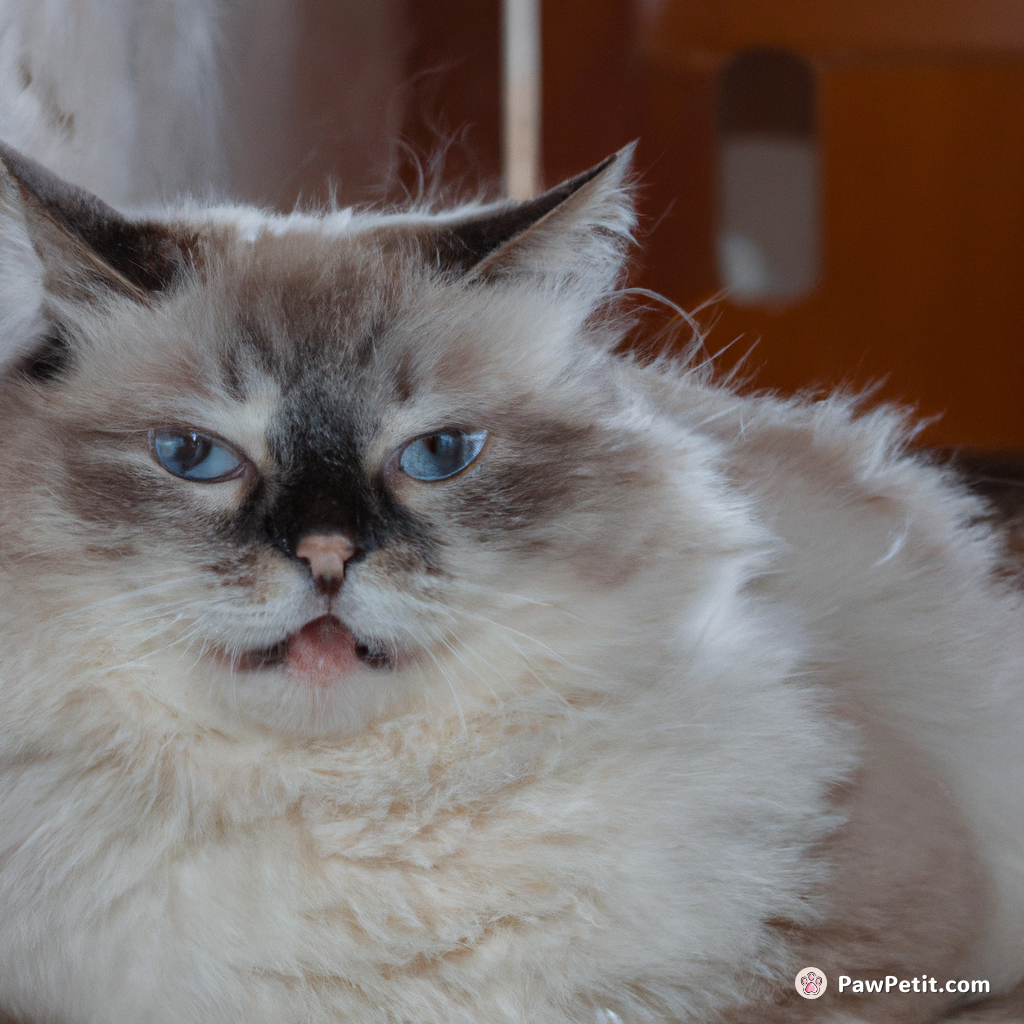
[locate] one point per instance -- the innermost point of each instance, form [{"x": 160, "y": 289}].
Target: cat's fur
[{"x": 671, "y": 693}]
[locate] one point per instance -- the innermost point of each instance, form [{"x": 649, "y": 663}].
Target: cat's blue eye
[
  {"x": 441, "y": 455},
  {"x": 194, "y": 456}
]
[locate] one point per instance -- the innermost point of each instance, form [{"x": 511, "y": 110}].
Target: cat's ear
[
  {"x": 82, "y": 243},
  {"x": 577, "y": 232},
  {"x": 61, "y": 245}
]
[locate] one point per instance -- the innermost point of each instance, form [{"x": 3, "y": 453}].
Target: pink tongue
[{"x": 322, "y": 651}]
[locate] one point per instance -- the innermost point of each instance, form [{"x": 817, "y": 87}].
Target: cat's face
[{"x": 327, "y": 469}]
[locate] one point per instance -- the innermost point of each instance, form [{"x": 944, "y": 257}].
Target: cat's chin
[{"x": 321, "y": 654}]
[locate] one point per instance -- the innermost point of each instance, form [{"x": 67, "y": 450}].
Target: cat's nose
[{"x": 326, "y": 554}]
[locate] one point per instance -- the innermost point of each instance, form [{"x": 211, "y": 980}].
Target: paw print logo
[{"x": 811, "y": 983}]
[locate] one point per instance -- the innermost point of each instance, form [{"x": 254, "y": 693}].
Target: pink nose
[{"x": 326, "y": 554}]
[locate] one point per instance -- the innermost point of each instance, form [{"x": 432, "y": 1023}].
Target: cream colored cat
[{"x": 378, "y": 646}]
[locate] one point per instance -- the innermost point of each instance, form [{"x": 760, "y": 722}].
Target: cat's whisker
[
  {"x": 165, "y": 621},
  {"x": 510, "y": 601},
  {"x": 525, "y": 664},
  {"x": 140, "y": 661},
  {"x": 454, "y": 652},
  {"x": 171, "y": 613},
  {"x": 521, "y": 657},
  {"x": 133, "y": 594},
  {"x": 455, "y": 695},
  {"x": 479, "y": 617},
  {"x": 469, "y": 586},
  {"x": 190, "y": 638},
  {"x": 698, "y": 331}
]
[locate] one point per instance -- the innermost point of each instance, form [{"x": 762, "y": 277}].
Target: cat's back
[{"x": 890, "y": 568}]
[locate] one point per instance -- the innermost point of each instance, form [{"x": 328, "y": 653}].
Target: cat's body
[
  {"x": 377, "y": 646},
  {"x": 668, "y": 693}
]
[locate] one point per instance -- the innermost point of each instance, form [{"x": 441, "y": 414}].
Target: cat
[{"x": 378, "y": 643}]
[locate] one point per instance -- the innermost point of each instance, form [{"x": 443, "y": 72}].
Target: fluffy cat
[{"x": 379, "y": 646}]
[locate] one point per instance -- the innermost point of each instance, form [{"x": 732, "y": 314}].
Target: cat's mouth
[{"x": 323, "y": 652}]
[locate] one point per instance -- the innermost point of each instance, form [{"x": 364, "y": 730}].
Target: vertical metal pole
[{"x": 521, "y": 50}]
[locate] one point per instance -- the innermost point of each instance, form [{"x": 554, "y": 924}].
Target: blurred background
[{"x": 838, "y": 187}]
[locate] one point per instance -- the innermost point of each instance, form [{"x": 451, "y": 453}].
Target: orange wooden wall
[{"x": 921, "y": 138}]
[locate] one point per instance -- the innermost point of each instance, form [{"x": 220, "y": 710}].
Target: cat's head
[{"x": 312, "y": 469}]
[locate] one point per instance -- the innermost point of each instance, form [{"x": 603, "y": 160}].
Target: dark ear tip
[
  {"x": 40, "y": 182},
  {"x": 143, "y": 255},
  {"x": 468, "y": 246},
  {"x": 618, "y": 161},
  {"x": 10, "y": 156}
]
